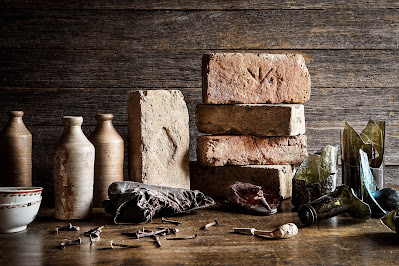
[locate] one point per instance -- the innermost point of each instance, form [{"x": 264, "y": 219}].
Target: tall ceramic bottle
[
  {"x": 15, "y": 153},
  {"x": 108, "y": 166},
  {"x": 73, "y": 172}
]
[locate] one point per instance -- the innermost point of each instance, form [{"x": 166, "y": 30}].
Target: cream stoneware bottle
[
  {"x": 15, "y": 153},
  {"x": 73, "y": 172},
  {"x": 108, "y": 165}
]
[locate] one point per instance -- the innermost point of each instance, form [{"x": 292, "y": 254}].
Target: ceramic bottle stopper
[
  {"x": 108, "y": 165},
  {"x": 15, "y": 153},
  {"x": 73, "y": 172}
]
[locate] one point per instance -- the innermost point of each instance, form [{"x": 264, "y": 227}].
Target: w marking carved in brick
[{"x": 259, "y": 77}]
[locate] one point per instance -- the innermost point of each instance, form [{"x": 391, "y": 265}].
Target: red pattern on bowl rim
[
  {"x": 13, "y": 206},
  {"x": 4, "y": 191}
]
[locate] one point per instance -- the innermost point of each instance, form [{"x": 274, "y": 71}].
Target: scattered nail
[
  {"x": 157, "y": 240},
  {"x": 205, "y": 227},
  {"x": 94, "y": 233},
  {"x": 149, "y": 233},
  {"x": 68, "y": 227},
  {"x": 183, "y": 238},
  {"x": 65, "y": 243},
  {"x": 170, "y": 221},
  {"x": 123, "y": 245}
]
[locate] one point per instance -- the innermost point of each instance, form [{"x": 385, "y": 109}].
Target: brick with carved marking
[
  {"x": 158, "y": 138},
  {"x": 251, "y": 119},
  {"x": 254, "y": 78},
  {"x": 275, "y": 180},
  {"x": 220, "y": 150}
]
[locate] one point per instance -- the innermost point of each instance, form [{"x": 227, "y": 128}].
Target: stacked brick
[{"x": 254, "y": 116}]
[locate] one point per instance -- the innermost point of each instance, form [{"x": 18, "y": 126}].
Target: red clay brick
[
  {"x": 247, "y": 150},
  {"x": 254, "y": 78},
  {"x": 275, "y": 180},
  {"x": 251, "y": 119}
]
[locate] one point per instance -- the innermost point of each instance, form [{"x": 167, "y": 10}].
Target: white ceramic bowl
[{"x": 18, "y": 207}]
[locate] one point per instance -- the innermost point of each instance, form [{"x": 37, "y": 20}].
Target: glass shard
[
  {"x": 315, "y": 177},
  {"x": 371, "y": 141}
]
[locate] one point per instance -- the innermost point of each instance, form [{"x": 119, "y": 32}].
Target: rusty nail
[
  {"x": 170, "y": 221},
  {"x": 183, "y": 238},
  {"x": 65, "y": 243},
  {"x": 68, "y": 227},
  {"x": 205, "y": 227},
  {"x": 157, "y": 240}
]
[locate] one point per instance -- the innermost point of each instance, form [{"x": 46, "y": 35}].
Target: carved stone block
[{"x": 158, "y": 137}]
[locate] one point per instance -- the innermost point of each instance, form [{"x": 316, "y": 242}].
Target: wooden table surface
[{"x": 339, "y": 240}]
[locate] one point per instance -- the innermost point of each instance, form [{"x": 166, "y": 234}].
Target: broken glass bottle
[
  {"x": 391, "y": 220},
  {"x": 250, "y": 198},
  {"x": 370, "y": 140},
  {"x": 342, "y": 200},
  {"x": 380, "y": 201},
  {"x": 315, "y": 177}
]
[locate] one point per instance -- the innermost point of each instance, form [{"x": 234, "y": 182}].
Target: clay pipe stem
[{"x": 244, "y": 231}]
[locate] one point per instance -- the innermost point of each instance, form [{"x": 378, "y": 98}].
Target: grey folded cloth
[{"x": 133, "y": 202}]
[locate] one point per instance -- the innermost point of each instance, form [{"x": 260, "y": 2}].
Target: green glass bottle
[
  {"x": 342, "y": 200},
  {"x": 391, "y": 220}
]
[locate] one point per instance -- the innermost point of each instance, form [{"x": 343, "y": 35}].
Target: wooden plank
[
  {"x": 179, "y": 69},
  {"x": 193, "y": 29},
  {"x": 197, "y": 4},
  {"x": 337, "y": 241}
]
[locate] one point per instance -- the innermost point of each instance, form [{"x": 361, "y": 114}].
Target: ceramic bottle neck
[
  {"x": 15, "y": 121},
  {"x": 72, "y": 124},
  {"x": 104, "y": 122}
]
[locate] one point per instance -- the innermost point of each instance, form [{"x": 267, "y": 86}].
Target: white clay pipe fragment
[
  {"x": 245, "y": 231},
  {"x": 284, "y": 231}
]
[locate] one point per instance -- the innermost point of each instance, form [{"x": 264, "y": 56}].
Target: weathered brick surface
[
  {"x": 159, "y": 138},
  {"x": 275, "y": 180},
  {"x": 251, "y": 119},
  {"x": 254, "y": 78},
  {"x": 246, "y": 150}
]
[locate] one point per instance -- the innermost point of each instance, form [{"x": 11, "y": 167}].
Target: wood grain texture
[
  {"x": 199, "y": 29},
  {"x": 198, "y": 4},
  {"x": 54, "y": 68},
  {"x": 336, "y": 241}
]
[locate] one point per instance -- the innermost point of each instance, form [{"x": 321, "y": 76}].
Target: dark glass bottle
[{"x": 342, "y": 200}]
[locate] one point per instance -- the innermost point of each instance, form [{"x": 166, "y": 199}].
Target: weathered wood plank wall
[{"x": 84, "y": 57}]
